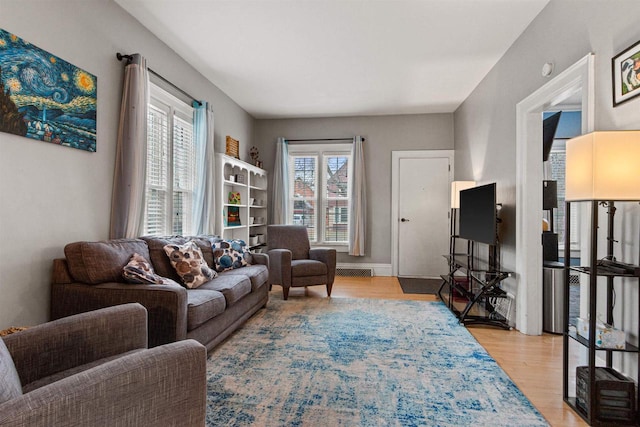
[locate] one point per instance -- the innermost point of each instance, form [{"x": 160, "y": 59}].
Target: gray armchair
[
  {"x": 292, "y": 262},
  {"x": 94, "y": 369}
]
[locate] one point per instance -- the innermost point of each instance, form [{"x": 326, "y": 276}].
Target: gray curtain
[
  {"x": 358, "y": 201},
  {"x": 127, "y": 201},
  {"x": 281, "y": 183},
  {"x": 204, "y": 194}
]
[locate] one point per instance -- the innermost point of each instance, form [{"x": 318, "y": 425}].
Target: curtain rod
[
  {"x": 320, "y": 139},
  {"x": 130, "y": 57}
]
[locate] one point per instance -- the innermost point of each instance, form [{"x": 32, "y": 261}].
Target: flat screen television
[{"x": 478, "y": 221}]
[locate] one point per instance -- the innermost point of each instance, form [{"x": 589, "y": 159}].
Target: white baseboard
[{"x": 376, "y": 269}]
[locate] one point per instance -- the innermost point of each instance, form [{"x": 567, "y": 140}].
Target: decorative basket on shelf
[{"x": 232, "y": 147}]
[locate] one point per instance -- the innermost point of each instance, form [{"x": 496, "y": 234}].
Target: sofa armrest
[
  {"x": 260, "y": 258},
  {"x": 60, "y": 272},
  {"x": 56, "y": 346},
  {"x": 280, "y": 267},
  {"x": 328, "y": 256},
  {"x": 166, "y": 305},
  {"x": 165, "y": 385}
]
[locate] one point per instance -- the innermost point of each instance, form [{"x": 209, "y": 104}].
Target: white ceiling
[{"x": 320, "y": 58}]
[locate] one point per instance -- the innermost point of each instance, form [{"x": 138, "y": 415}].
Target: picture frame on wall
[
  {"x": 45, "y": 98},
  {"x": 625, "y": 69}
]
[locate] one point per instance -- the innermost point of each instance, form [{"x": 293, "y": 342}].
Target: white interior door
[{"x": 423, "y": 216}]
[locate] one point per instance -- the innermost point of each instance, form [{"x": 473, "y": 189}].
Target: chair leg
[
  {"x": 329, "y": 289},
  {"x": 285, "y": 292},
  {"x": 270, "y": 286}
]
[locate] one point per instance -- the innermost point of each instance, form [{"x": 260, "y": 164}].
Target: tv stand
[{"x": 472, "y": 291}]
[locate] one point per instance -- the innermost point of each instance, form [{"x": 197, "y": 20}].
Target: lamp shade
[
  {"x": 456, "y": 188},
  {"x": 603, "y": 166}
]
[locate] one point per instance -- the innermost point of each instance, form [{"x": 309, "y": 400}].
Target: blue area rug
[{"x": 359, "y": 362}]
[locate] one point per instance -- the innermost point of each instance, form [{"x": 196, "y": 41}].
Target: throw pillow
[
  {"x": 189, "y": 263},
  {"x": 138, "y": 270},
  {"x": 10, "y": 385},
  {"x": 230, "y": 254}
]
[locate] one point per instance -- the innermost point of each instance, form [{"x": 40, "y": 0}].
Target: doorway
[
  {"x": 577, "y": 79},
  {"x": 421, "y": 182}
]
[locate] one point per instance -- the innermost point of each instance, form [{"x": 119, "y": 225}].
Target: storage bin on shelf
[
  {"x": 606, "y": 335},
  {"x": 615, "y": 395}
]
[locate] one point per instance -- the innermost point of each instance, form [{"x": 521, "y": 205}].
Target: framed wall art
[
  {"x": 45, "y": 98},
  {"x": 234, "y": 198},
  {"x": 625, "y": 68}
]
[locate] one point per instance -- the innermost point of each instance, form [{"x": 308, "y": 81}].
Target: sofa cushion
[
  {"x": 10, "y": 386},
  {"x": 307, "y": 267},
  {"x": 161, "y": 262},
  {"x": 258, "y": 274},
  {"x": 41, "y": 382},
  {"x": 230, "y": 254},
  {"x": 138, "y": 270},
  {"x": 189, "y": 263},
  {"x": 202, "y": 305},
  {"x": 233, "y": 287},
  {"x": 101, "y": 262}
]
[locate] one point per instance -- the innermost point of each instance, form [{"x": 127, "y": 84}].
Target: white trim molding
[{"x": 577, "y": 79}]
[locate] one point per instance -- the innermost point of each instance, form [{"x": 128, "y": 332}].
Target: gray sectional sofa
[{"x": 90, "y": 277}]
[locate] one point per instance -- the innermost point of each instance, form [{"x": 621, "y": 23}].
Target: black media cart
[{"x": 472, "y": 289}]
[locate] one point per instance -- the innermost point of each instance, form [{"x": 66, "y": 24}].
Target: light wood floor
[{"x": 534, "y": 363}]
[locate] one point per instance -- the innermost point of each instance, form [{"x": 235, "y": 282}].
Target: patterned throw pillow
[
  {"x": 10, "y": 386},
  {"x": 189, "y": 263},
  {"x": 230, "y": 254},
  {"x": 139, "y": 271}
]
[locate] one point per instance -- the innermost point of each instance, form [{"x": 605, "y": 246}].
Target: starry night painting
[{"x": 44, "y": 97}]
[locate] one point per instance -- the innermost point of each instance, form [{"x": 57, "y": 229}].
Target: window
[
  {"x": 557, "y": 158},
  {"x": 319, "y": 189},
  {"x": 171, "y": 159}
]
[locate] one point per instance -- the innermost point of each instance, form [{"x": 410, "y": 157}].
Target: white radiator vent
[{"x": 354, "y": 272}]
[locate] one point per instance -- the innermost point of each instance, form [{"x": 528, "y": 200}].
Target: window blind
[
  {"x": 336, "y": 185},
  {"x": 319, "y": 192},
  {"x": 157, "y": 172},
  {"x": 183, "y": 176},
  {"x": 303, "y": 171},
  {"x": 170, "y": 166}
]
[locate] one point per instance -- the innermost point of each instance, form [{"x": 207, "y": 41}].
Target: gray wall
[
  {"x": 52, "y": 195},
  {"x": 485, "y": 124},
  {"x": 383, "y": 135}
]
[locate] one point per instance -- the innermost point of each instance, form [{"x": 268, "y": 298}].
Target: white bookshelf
[{"x": 236, "y": 176}]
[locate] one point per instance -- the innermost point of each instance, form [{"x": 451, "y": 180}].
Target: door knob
[{"x": 404, "y": 220}]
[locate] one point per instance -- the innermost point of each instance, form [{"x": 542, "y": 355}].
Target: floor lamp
[
  {"x": 456, "y": 188},
  {"x": 601, "y": 167}
]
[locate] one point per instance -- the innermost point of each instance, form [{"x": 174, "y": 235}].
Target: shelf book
[{"x": 233, "y": 216}]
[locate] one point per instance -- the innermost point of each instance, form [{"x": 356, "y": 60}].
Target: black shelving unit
[
  {"x": 594, "y": 270},
  {"x": 472, "y": 291}
]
